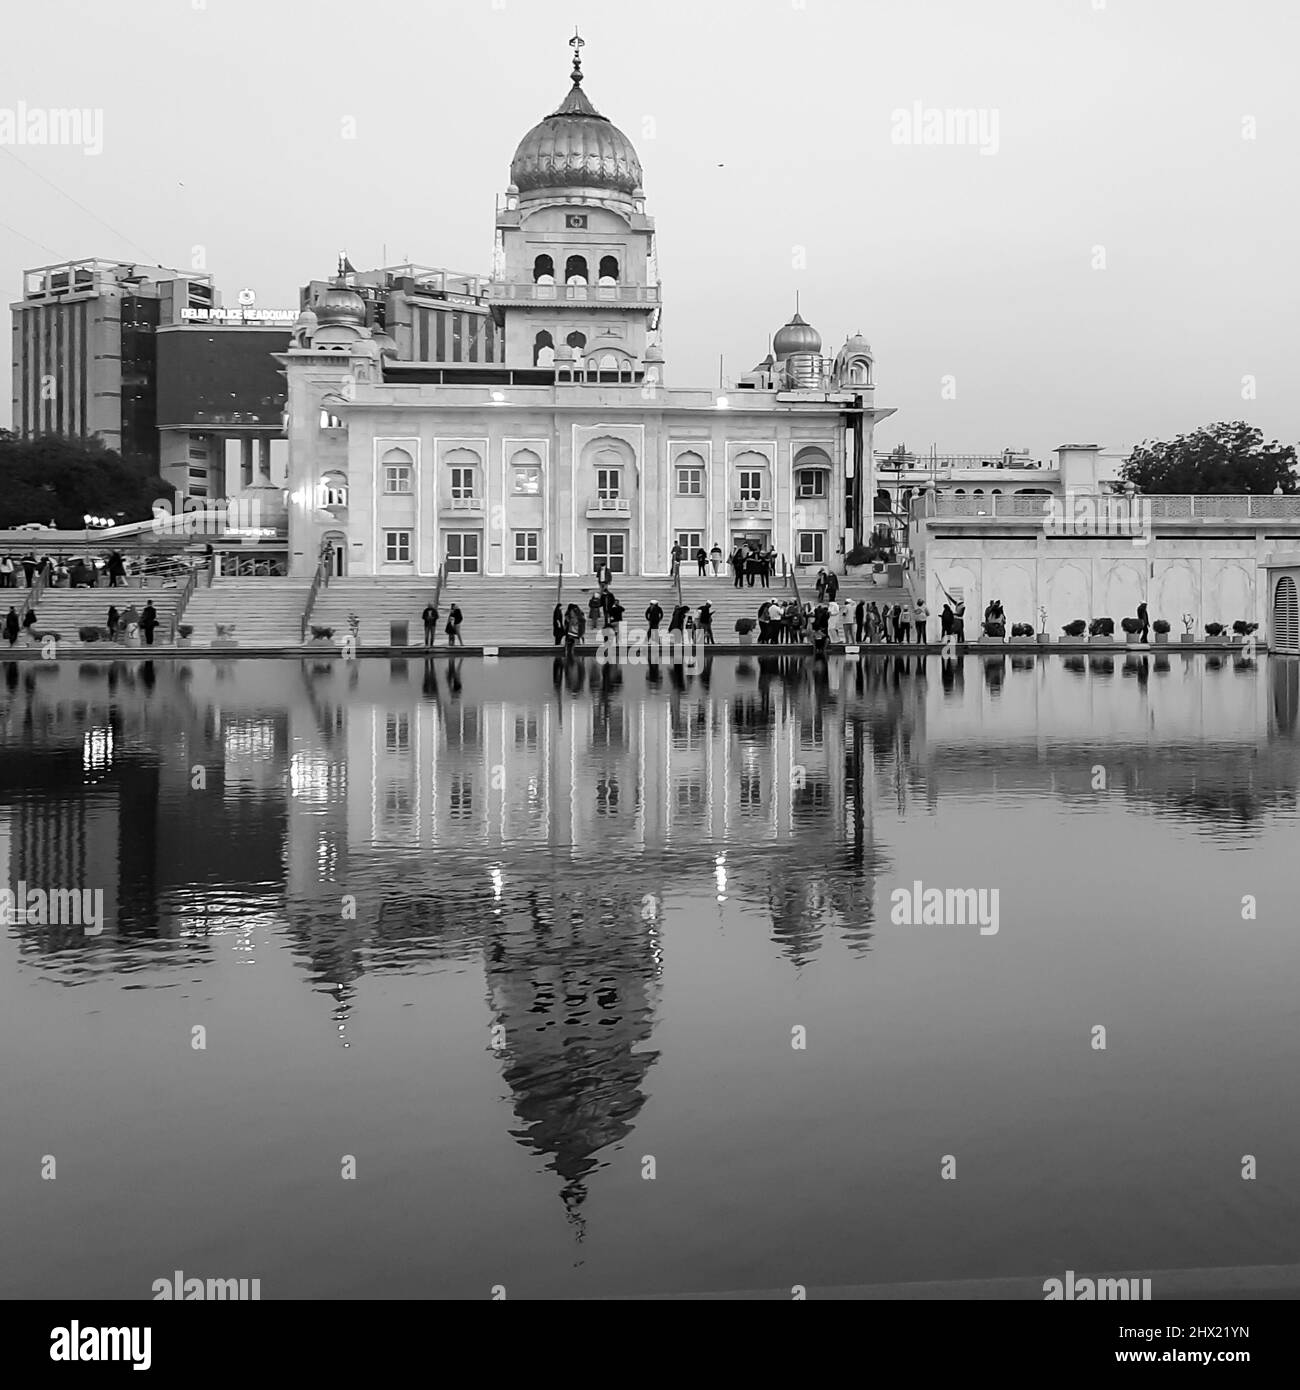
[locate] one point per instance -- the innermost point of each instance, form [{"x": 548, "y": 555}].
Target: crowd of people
[{"x": 64, "y": 572}]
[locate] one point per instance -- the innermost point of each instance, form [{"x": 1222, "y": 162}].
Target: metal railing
[
  {"x": 187, "y": 592},
  {"x": 320, "y": 579},
  {"x": 559, "y": 585},
  {"x": 438, "y": 584},
  {"x": 33, "y": 594},
  {"x": 1116, "y": 506}
]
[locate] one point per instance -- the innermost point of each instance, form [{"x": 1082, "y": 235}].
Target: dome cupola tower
[{"x": 575, "y": 262}]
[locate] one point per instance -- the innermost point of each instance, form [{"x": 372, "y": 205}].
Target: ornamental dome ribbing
[{"x": 575, "y": 147}]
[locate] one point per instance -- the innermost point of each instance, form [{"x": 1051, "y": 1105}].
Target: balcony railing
[
  {"x": 761, "y": 505},
  {"x": 605, "y": 506},
  {"x": 1168, "y": 507},
  {"x": 467, "y": 504},
  {"x": 573, "y": 296}
]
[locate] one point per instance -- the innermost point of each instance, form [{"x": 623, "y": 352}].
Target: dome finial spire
[{"x": 577, "y": 43}]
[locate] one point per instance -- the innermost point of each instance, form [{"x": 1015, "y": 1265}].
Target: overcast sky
[{"x": 1116, "y": 130}]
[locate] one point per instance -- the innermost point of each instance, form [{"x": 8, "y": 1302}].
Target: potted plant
[
  {"x": 1101, "y": 630},
  {"x": 1022, "y": 633},
  {"x": 1132, "y": 630},
  {"x": 321, "y": 634},
  {"x": 184, "y": 631},
  {"x": 1161, "y": 629},
  {"x": 1044, "y": 637},
  {"x": 1074, "y": 629},
  {"x": 88, "y": 634},
  {"x": 225, "y": 635},
  {"x": 745, "y": 627},
  {"x": 1217, "y": 633},
  {"x": 1243, "y": 629},
  {"x": 993, "y": 632},
  {"x": 1188, "y": 635}
]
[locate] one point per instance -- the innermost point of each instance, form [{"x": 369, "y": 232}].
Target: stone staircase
[
  {"x": 266, "y": 612},
  {"x": 66, "y": 611},
  {"x": 378, "y": 603}
]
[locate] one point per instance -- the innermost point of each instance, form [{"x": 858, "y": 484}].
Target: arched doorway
[{"x": 338, "y": 553}]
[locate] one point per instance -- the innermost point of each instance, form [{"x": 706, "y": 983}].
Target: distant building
[
  {"x": 521, "y": 424},
  {"x": 146, "y": 359}
]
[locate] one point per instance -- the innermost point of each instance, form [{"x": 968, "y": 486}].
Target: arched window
[
  {"x": 979, "y": 492},
  {"x": 544, "y": 271},
  {"x": 860, "y": 374},
  {"x": 609, "y": 270},
  {"x": 1286, "y": 615},
  {"x": 334, "y": 489},
  {"x": 996, "y": 491},
  {"x": 959, "y": 492},
  {"x": 543, "y": 343},
  {"x": 577, "y": 341},
  {"x": 609, "y": 363},
  {"x": 575, "y": 270},
  {"x": 399, "y": 471}
]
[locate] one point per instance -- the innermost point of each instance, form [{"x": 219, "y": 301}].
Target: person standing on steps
[
  {"x": 454, "y": 619},
  {"x": 832, "y": 585},
  {"x": 557, "y": 624},
  {"x": 148, "y": 621},
  {"x": 706, "y": 622},
  {"x": 1145, "y": 621},
  {"x": 738, "y": 567},
  {"x": 604, "y": 577},
  {"x": 654, "y": 615},
  {"x": 11, "y": 625},
  {"x": 921, "y": 616},
  {"x": 716, "y": 556},
  {"x": 430, "y": 620},
  {"x": 677, "y": 561},
  {"x": 702, "y": 560}
]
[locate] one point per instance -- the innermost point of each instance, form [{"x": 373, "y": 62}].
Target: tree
[
  {"x": 1223, "y": 458},
  {"x": 55, "y": 479}
]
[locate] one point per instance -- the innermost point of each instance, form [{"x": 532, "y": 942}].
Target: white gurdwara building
[{"x": 563, "y": 447}]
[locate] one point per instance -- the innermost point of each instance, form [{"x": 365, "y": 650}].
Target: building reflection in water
[{"x": 394, "y": 818}]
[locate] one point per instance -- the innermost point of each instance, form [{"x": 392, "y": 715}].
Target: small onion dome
[
  {"x": 306, "y": 325},
  {"x": 340, "y": 305},
  {"x": 796, "y": 336},
  {"x": 856, "y": 346},
  {"x": 387, "y": 347},
  {"x": 654, "y": 353}
]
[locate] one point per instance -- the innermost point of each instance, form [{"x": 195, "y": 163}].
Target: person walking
[
  {"x": 738, "y": 567},
  {"x": 116, "y": 569},
  {"x": 764, "y": 570},
  {"x": 716, "y": 556},
  {"x": 751, "y": 566},
  {"x": 654, "y": 615},
  {"x": 557, "y": 626},
  {"x": 29, "y": 568},
  {"x": 832, "y": 586},
  {"x": 920, "y": 616},
  {"x": 702, "y": 559},
  {"x": 604, "y": 577},
  {"x": 430, "y": 620},
  {"x": 148, "y": 621},
  {"x": 113, "y": 618},
  {"x": 677, "y": 561},
  {"x": 821, "y": 585},
  {"x": 859, "y": 621},
  {"x": 11, "y": 625},
  {"x": 454, "y": 619},
  {"x": 6, "y": 572},
  {"x": 706, "y": 622},
  {"x": 1145, "y": 621}
]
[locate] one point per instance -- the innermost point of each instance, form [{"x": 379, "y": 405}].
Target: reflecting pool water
[{"x": 599, "y": 980}]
